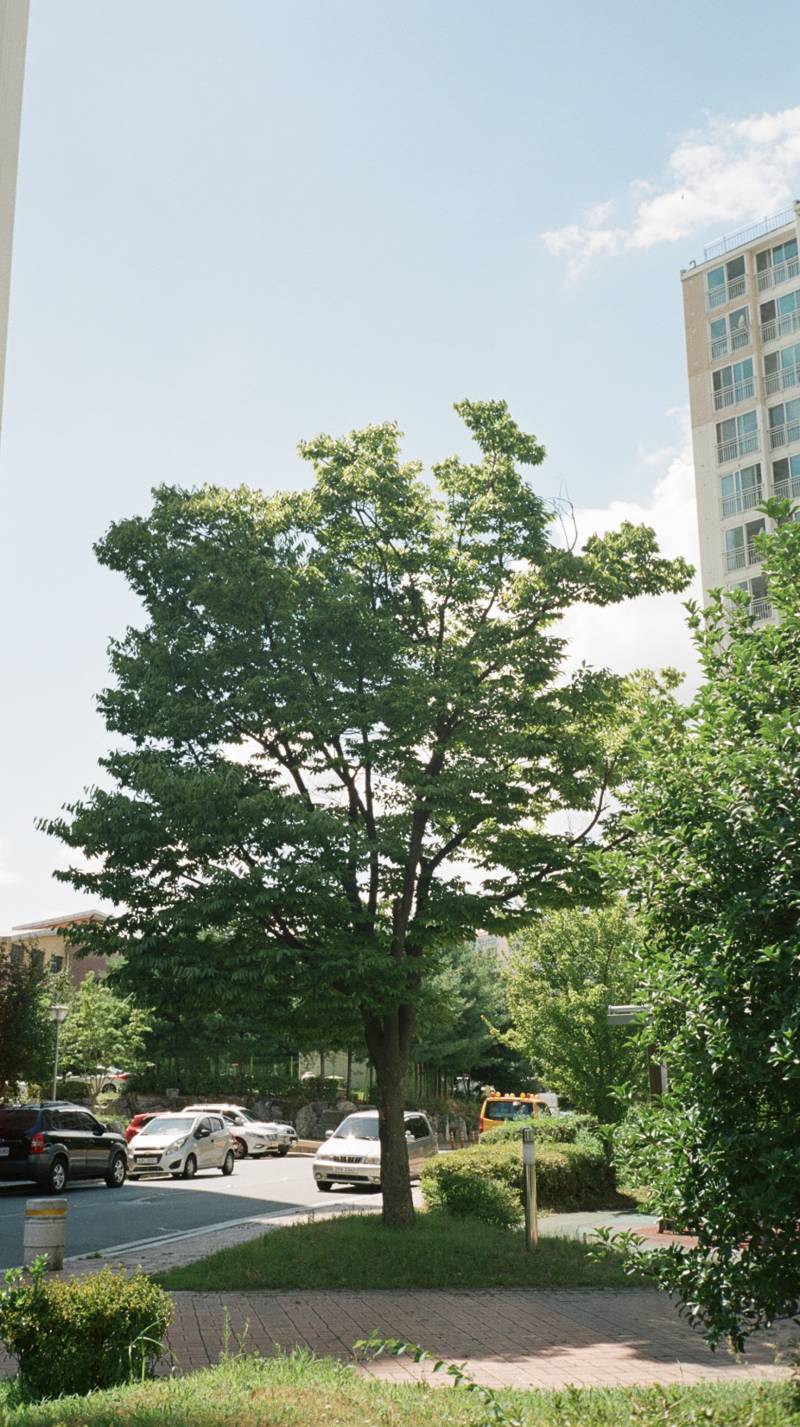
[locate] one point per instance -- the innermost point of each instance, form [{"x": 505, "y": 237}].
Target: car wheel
[
  {"x": 324, "y": 1186},
  {"x": 230, "y": 1160},
  {"x": 282, "y": 1150},
  {"x": 118, "y": 1169},
  {"x": 190, "y": 1168},
  {"x": 240, "y": 1149},
  {"x": 57, "y": 1176}
]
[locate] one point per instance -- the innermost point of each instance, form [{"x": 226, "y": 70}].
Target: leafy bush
[
  {"x": 467, "y": 1195},
  {"x": 556, "y": 1129},
  {"x": 568, "y": 1176},
  {"x": 74, "y": 1090},
  {"x": 82, "y": 1334}
]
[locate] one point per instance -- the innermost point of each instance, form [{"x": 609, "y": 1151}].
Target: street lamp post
[{"x": 57, "y": 1014}]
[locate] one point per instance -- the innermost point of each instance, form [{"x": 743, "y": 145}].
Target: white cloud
[
  {"x": 649, "y": 632},
  {"x": 8, "y": 877},
  {"x": 730, "y": 172}
]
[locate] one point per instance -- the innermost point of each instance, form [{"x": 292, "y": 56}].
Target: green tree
[
  {"x": 25, "y": 1032},
  {"x": 102, "y": 1028},
  {"x": 714, "y": 845},
  {"x": 459, "y": 1004},
  {"x": 345, "y": 722},
  {"x": 561, "y": 976}
]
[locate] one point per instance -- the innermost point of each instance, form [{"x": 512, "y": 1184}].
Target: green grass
[
  {"x": 356, "y": 1251},
  {"x": 301, "y": 1391}
]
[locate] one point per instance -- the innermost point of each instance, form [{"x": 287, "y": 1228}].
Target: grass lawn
[
  {"x": 301, "y": 1391},
  {"x": 439, "y": 1251}
]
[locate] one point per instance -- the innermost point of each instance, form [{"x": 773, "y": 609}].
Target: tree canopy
[
  {"x": 561, "y": 976},
  {"x": 345, "y": 721},
  {"x": 713, "y": 830}
]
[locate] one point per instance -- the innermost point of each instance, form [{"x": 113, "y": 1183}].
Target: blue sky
[{"x": 241, "y": 223}]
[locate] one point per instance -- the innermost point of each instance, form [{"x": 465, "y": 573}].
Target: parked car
[
  {"x": 351, "y": 1154},
  {"x": 138, "y": 1122},
  {"x": 103, "y": 1080},
  {"x": 252, "y": 1136},
  {"x": 51, "y": 1142},
  {"x": 180, "y": 1144}
]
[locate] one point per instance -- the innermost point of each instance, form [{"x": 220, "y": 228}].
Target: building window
[
  {"x": 733, "y": 384},
  {"x": 725, "y": 283},
  {"x": 37, "y": 957},
  {"x": 782, "y": 369},
  {"x": 784, "y": 423},
  {"x": 741, "y": 490},
  {"x": 17, "y": 953},
  {"x": 738, "y": 436},
  {"x": 740, "y": 548},
  {"x": 776, "y": 265},
  {"x": 780, "y": 316},
  {"x": 56, "y": 964},
  {"x": 786, "y": 478},
  {"x": 729, "y": 334}
]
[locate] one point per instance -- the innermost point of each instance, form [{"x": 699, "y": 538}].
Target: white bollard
[{"x": 45, "y": 1231}]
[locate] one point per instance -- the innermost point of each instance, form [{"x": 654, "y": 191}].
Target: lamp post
[{"x": 57, "y": 1014}]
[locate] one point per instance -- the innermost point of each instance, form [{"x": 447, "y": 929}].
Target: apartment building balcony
[
  {"x": 785, "y": 435},
  {"x": 782, "y": 326},
  {"x": 726, "y": 292},
  {"x": 741, "y": 558},
  {"x": 760, "y": 608},
  {"x": 738, "y": 446},
  {"x": 781, "y": 272},
  {"x": 782, "y": 380},
  {"x": 788, "y": 490},
  {"x": 731, "y": 342},
  {"x": 732, "y": 395},
  {"x": 748, "y": 499}
]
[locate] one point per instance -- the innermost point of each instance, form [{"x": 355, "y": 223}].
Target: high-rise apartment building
[
  {"x": 742, "y": 319},
  {"x": 13, "y": 37}
]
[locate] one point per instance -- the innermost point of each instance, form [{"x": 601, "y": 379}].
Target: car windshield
[
  {"x": 361, "y": 1127},
  {"x": 509, "y": 1109},
  {"x": 246, "y": 1115},
  {"x": 168, "y": 1124}
]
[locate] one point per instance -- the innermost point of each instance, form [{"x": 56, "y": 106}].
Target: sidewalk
[{"x": 505, "y": 1337}]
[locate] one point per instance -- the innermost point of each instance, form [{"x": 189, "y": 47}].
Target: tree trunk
[{"x": 388, "y": 1040}]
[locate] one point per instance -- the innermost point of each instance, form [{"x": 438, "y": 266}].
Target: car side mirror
[
  {"x": 202, "y": 1135},
  {"x": 328, "y": 1134},
  {"x": 409, "y": 1135}
]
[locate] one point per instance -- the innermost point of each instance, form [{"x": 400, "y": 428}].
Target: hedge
[
  {"x": 84, "y": 1333},
  {"x": 568, "y": 1176},
  {"x": 556, "y": 1129}
]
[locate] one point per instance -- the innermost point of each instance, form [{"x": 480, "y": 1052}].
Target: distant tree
[
  {"x": 459, "y": 1004},
  {"x": 561, "y": 976},
  {"x": 713, "y": 829},
  {"x": 346, "y": 723},
  {"x": 102, "y": 1029},
  {"x": 25, "y": 1032}
]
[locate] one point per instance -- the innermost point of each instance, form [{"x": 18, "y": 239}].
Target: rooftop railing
[{"x": 729, "y": 241}]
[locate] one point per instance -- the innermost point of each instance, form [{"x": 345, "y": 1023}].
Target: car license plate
[
  {"x": 147, "y": 1159},
  {"x": 5, "y": 1151}
]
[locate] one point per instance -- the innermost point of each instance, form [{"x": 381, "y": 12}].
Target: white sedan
[
  {"x": 251, "y": 1135},
  {"x": 180, "y": 1145}
]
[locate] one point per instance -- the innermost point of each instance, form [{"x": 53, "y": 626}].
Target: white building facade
[{"x": 742, "y": 325}]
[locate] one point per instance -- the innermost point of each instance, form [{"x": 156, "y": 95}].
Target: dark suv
[{"x": 50, "y": 1142}]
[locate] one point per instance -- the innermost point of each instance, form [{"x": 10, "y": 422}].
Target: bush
[
  {"x": 74, "y": 1090},
  {"x": 555, "y": 1129},
  {"x": 568, "y": 1176},
  {"x": 466, "y": 1195},
  {"x": 82, "y": 1334}
]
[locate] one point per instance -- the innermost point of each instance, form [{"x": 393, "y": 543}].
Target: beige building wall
[
  {"x": 763, "y": 343},
  {"x": 13, "y": 36},
  {"x": 46, "y": 943}
]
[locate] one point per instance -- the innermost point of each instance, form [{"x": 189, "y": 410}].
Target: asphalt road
[{"x": 145, "y": 1209}]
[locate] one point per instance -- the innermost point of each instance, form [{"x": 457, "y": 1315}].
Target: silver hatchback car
[
  {"x": 180, "y": 1145},
  {"x": 351, "y": 1154}
]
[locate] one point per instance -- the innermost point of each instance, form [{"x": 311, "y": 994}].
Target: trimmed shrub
[
  {"x": 568, "y": 1176},
  {"x": 555, "y": 1129},
  {"x": 74, "y": 1090},
  {"x": 459, "y": 1192},
  {"x": 82, "y": 1334}
]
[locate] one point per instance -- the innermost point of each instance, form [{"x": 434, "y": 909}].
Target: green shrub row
[
  {"x": 84, "y": 1333},
  {"x": 568, "y": 1177},
  {"x": 556, "y": 1129}
]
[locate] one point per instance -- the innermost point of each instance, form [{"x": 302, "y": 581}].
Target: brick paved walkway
[{"x": 506, "y": 1337}]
